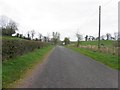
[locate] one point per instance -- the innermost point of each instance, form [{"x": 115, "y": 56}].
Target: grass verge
[
  {"x": 13, "y": 69},
  {"x": 107, "y": 59}
]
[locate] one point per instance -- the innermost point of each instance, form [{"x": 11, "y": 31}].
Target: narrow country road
[{"x": 65, "y": 68}]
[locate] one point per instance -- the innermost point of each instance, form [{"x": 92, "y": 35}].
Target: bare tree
[
  {"x": 4, "y": 20},
  {"x": 8, "y": 26},
  {"x": 32, "y": 33},
  {"x": 28, "y": 34},
  {"x": 56, "y": 37},
  {"x": 12, "y": 25},
  {"x": 40, "y": 36},
  {"x": 45, "y": 39},
  {"x": 86, "y": 38},
  {"x": 108, "y": 36},
  {"x": 79, "y": 37}
]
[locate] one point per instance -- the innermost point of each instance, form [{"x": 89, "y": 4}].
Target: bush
[{"x": 13, "y": 48}]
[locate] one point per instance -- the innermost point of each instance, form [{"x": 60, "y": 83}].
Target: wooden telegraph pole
[{"x": 99, "y": 27}]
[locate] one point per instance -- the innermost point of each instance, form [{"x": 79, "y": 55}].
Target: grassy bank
[
  {"x": 107, "y": 59},
  {"x": 14, "y": 69},
  {"x": 11, "y": 38}
]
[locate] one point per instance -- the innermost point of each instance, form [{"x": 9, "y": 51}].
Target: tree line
[{"x": 9, "y": 27}]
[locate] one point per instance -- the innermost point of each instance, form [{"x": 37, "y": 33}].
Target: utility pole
[{"x": 99, "y": 27}]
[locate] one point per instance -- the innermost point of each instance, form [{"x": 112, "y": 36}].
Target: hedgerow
[{"x": 12, "y": 48}]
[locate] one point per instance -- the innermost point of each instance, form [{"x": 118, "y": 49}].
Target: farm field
[
  {"x": 108, "y": 53},
  {"x": 107, "y": 43},
  {"x": 107, "y": 46}
]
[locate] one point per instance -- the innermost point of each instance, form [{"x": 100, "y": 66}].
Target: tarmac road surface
[{"x": 65, "y": 68}]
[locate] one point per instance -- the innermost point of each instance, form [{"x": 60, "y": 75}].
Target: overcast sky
[{"x": 64, "y": 16}]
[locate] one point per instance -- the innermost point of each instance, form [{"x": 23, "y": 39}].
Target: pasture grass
[
  {"x": 11, "y": 38},
  {"x": 107, "y": 43}
]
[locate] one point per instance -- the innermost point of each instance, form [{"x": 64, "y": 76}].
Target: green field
[
  {"x": 108, "y": 43},
  {"x": 107, "y": 59},
  {"x": 11, "y": 38},
  {"x": 105, "y": 42},
  {"x": 14, "y": 69}
]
